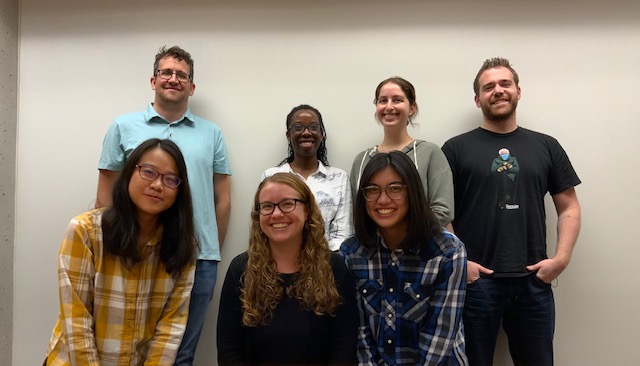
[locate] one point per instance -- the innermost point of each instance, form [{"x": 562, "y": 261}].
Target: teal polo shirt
[{"x": 204, "y": 151}]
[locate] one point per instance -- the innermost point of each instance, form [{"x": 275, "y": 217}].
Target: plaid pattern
[
  {"x": 410, "y": 302},
  {"x": 111, "y": 315}
]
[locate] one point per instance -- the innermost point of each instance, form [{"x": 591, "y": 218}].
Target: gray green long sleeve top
[{"x": 434, "y": 171}]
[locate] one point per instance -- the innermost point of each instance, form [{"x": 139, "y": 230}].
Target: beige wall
[{"x": 82, "y": 64}]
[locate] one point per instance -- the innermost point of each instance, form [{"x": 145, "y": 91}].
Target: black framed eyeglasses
[
  {"x": 150, "y": 174},
  {"x": 166, "y": 74},
  {"x": 299, "y": 128},
  {"x": 394, "y": 191},
  {"x": 286, "y": 205}
]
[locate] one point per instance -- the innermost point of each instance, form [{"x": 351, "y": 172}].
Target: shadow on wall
[{"x": 287, "y": 15}]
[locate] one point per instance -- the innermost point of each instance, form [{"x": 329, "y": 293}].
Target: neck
[
  {"x": 393, "y": 237},
  {"x": 394, "y": 139},
  {"x": 148, "y": 228},
  {"x": 287, "y": 256},
  {"x": 170, "y": 112},
  {"x": 304, "y": 165},
  {"x": 503, "y": 126}
]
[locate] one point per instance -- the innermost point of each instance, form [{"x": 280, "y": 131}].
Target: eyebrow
[{"x": 158, "y": 169}]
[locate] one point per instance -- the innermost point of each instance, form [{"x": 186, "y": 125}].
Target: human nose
[
  {"x": 157, "y": 183},
  {"x": 174, "y": 78},
  {"x": 388, "y": 105},
  {"x": 277, "y": 211},
  {"x": 383, "y": 197}
]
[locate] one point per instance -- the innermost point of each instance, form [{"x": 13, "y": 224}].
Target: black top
[
  {"x": 295, "y": 336},
  {"x": 499, "y": 200}
]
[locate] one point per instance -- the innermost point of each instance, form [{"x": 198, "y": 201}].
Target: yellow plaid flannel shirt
[{"x": 111, "y": 315}]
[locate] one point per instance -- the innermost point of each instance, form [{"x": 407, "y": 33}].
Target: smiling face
[
  {"x": 282, "y": 228},
  {"x": 172, "y": 91},
  {"x": 306, "y": 143},
  {"x": 390, "y": 215},
  {"x": 152, "y": 197},
  {"x": 393, "y": 108},
  {"x": 498, "y": 94}
]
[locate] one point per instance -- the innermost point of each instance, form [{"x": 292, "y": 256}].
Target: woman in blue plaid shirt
[{"x": 410, "y": 272}]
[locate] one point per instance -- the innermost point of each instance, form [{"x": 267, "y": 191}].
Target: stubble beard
[{"x": 501, "y": 116}]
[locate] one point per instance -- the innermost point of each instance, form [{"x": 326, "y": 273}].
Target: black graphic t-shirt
[{"x": 500, "y": 181}]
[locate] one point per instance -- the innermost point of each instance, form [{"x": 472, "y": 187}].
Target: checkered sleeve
[
  {"x": 173, "y": 321},
  {"x": 445, "y": 312},
  {"x": 76, "y": 273}
]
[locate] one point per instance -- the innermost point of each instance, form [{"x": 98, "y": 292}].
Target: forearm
[
  {"x": 223, "y": 212},
  {"x": 106, "y": 179},
  {"x": 447, "y": 305},
  {"x": 230, "y": 335},
  {"x": 172, "y": 323},
  {"x": 568, "y": 230},
  {"x": 441, "y": 204},
  {"x": 568, "y": 209},
  {"x": 222, "y": 202},
  {"x": 76, "y": 273}
]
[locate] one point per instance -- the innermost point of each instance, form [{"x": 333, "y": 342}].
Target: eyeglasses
[
  {"x": 166, "y": 74},
  {"x": 150, "y": 174},
  {"x": 394, "y": 191},
  {"x": 299, "y": 128},
  {"x": 286, "y": 205}
]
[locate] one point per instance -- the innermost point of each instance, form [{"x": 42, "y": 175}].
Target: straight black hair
[
  {"x": 422, "y": 223},
  {"x": 120, "y": 226}
]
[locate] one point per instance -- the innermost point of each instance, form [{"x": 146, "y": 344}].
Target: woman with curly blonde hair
[{"x": 288, "y": 299}]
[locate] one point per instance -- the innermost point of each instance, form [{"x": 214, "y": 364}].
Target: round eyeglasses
[
  {"x": 299, "y": 128},
  {"x": 286, "y": 205},
  {"x": 166, "y": 74},
  {"x": 150, "y": 174},
  {"x": 394, "y": 191}
]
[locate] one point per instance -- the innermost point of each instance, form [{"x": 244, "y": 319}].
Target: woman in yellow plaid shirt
[{"x": 125, "y": 272}]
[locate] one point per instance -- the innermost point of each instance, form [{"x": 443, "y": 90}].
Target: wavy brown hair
[{"x": 314, "y": 287}]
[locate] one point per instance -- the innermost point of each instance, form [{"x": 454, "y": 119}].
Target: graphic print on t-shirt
[{"x": 505, "y": 170}]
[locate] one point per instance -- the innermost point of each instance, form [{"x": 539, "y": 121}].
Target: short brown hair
[
  {"x": 174, "y": 52},
  {"x": 492, "y": 63}
]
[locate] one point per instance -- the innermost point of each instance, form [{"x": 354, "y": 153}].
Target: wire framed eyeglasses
[{"x": 394, "y": 191}]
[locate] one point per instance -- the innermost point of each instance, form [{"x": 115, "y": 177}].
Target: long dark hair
[
  {"x": 120, "y": 226},
  {"x": 422, "y": 223},
  {"x": 322, "y": 149}
]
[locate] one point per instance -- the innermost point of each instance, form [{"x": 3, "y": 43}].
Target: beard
[{"x": 502, "y": 115}]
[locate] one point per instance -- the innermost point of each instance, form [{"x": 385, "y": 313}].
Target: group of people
[{"x": 415, "y": 258}]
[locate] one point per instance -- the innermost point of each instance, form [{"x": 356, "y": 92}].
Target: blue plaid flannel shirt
[{"x": 410, "y": 301}]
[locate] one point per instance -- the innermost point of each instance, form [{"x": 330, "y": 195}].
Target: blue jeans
[
  {"x": 526, "y": 308},
  {"x": 201, "y": 294}
]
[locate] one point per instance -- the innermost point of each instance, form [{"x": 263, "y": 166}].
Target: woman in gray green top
[{"x": 395, "y": 101}]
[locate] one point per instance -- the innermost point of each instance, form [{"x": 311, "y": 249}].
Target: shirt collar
[
  {"x": 322, "y": 169},
  {"x": 151, "y": 115}
]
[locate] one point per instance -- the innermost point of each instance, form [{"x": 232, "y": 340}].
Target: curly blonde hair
[{"x": 314, "y": 287}]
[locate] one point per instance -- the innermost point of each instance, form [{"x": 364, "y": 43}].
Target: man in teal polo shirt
[{"x": 202, "y": 145}]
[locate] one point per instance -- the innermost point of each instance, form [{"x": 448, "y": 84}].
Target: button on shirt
[
  {"x": 204, "y": 151},
  {"x": 113, "y": 315},
  {"x": 410, "y": 301}
]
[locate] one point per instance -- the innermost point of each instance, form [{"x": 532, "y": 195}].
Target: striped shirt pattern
[
  {"x": 111, "y": 315},
  {"x": 410, "y": 302}
]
